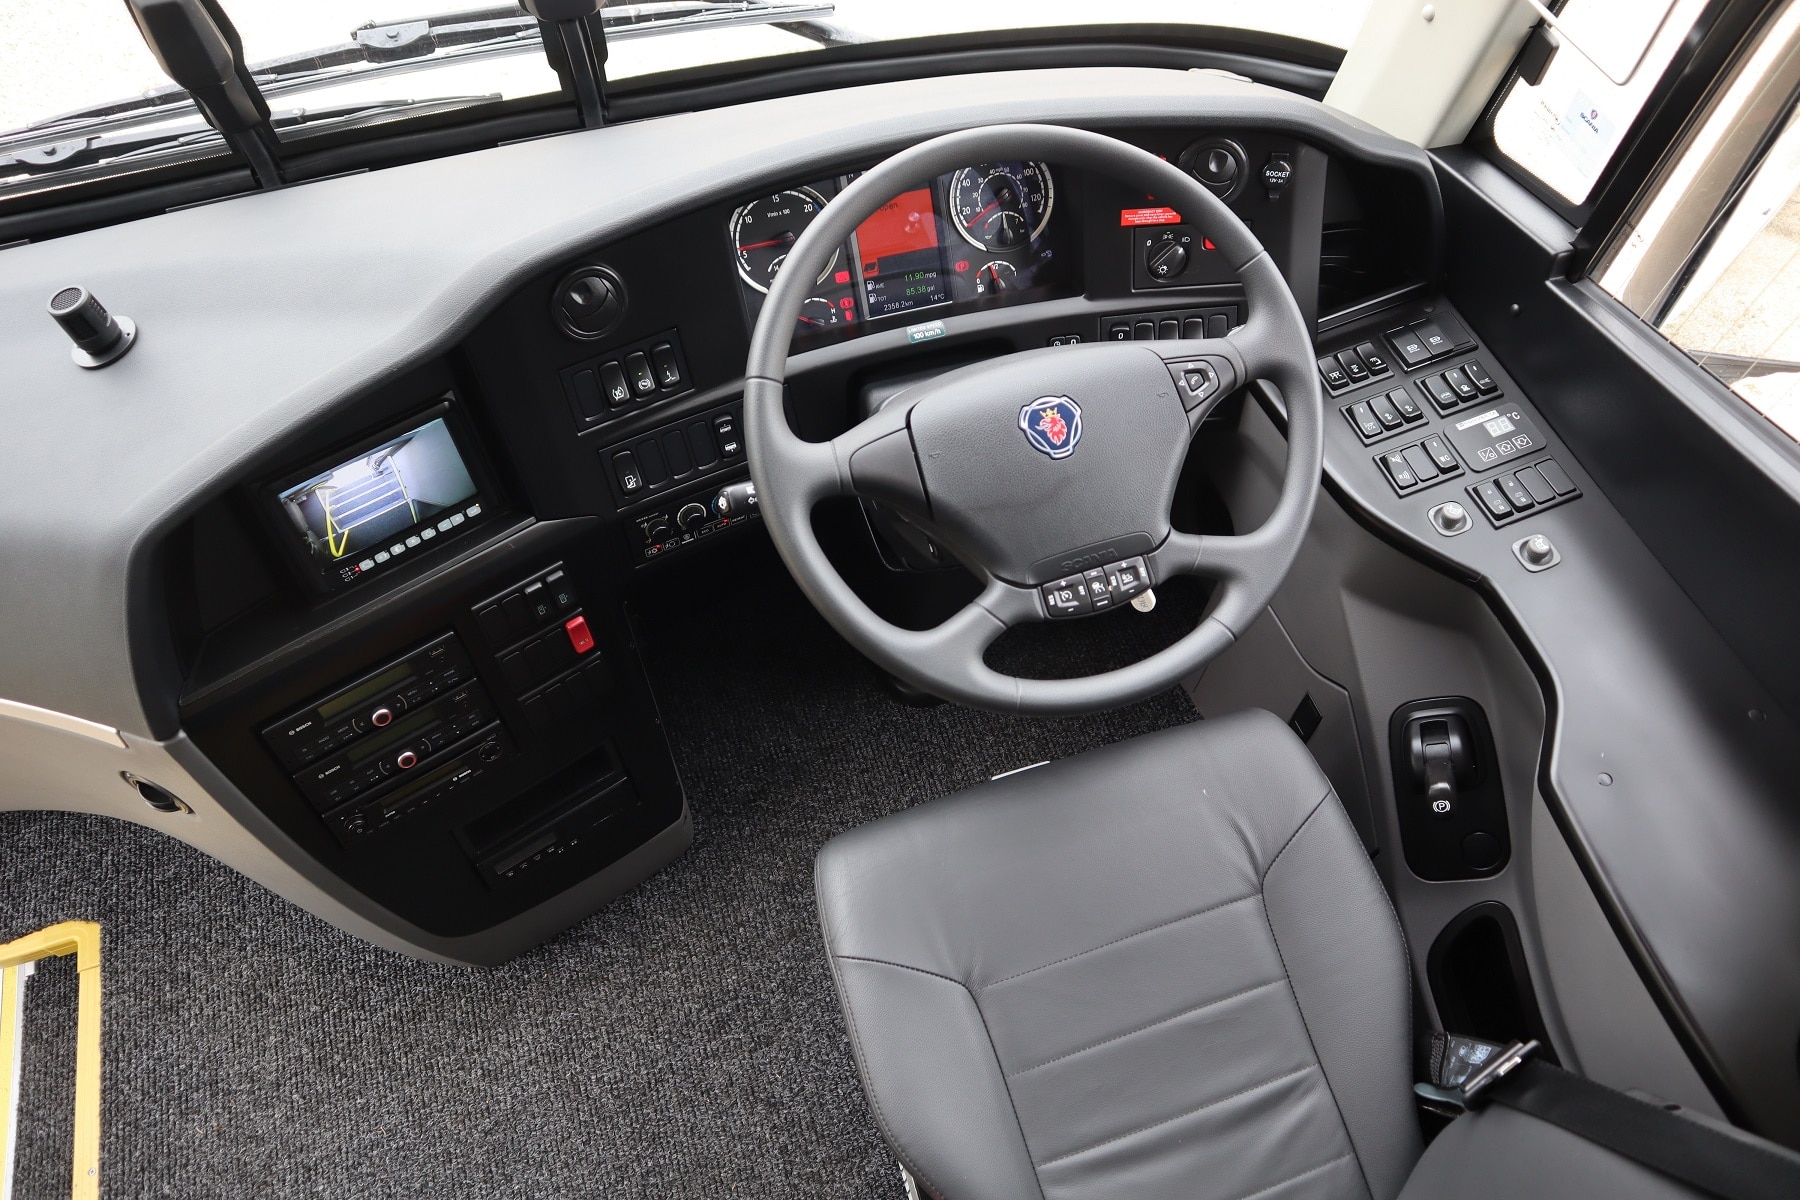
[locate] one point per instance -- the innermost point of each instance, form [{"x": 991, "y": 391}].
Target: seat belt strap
[{"x": 1685, "y": 1150}]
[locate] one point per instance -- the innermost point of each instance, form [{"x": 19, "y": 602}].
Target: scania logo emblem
[{"x": 1052, "y": 424}]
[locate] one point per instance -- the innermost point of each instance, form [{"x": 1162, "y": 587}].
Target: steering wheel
[{"x": 1037, "y": 466}]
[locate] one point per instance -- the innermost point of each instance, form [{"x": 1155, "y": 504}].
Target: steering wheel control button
[
  {"x": 1536, "y": 553},
  {"x": 1067, "y": 597},
  {"x": 1203, "y": 380},
  {"x": 1129, "y": 579},
  {"x": 1450, "y": 518},
  {"x": 1100, "y": 593}
]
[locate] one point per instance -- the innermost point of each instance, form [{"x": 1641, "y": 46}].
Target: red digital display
[
  {"x": 902, "y": 267},
  {"x": 905, "y": 224}
]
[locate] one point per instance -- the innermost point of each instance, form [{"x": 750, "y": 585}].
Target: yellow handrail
[{"x": 82, "y": 939}]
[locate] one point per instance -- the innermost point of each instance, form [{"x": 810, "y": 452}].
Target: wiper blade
[
  {"x": 84, "y": 136},
  {"x": 48, "y": 156}
]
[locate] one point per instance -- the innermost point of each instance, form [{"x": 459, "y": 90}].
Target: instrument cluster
[{"x": 985, "y": 235}]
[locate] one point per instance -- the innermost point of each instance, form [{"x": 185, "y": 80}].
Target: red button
[{"x": 579, "y": 637}]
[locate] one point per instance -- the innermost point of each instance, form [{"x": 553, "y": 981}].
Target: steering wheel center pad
[{"x": 1022, "y": 514}]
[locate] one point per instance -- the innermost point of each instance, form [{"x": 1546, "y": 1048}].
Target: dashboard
[
  {"x": 517, "y": 374},
  {"x": 375, "y": 533}
]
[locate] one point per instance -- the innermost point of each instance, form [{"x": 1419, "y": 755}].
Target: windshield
[{"x": 81, "y": 93}]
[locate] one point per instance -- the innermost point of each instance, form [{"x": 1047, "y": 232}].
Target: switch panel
[{"x": 626, "y": 378}]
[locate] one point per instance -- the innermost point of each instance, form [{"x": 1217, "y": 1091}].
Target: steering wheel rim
[{"x": 923, "y": 425}]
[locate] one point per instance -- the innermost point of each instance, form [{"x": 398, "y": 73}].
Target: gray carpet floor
[{"x": 684, "y": 1042}]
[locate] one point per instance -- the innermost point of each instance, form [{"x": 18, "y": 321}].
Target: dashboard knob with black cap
[
  {"x": 588, "y": 303},
  {"x": 691, "y": 514}
]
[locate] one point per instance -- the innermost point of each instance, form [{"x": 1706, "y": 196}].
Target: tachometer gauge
[
  {"x": 999, "y": 206},
  {"x": 995, "y": 278},
  {"x": 763, "y": 232}
]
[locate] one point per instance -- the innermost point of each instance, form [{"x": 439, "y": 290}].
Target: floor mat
[{"x": 684, "y": 1042}]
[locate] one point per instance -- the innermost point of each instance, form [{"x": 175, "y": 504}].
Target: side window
[
  {"x": 1711, "y": 256},
  {"x": 1563, "y": 129}
]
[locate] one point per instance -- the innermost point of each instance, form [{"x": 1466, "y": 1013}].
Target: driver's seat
[{"x": 1161, "y": 969}]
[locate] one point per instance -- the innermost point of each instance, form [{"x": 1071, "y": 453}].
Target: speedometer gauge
[
  {"x": 763, "y": 232},
  {"x": 999, "y": 206}
]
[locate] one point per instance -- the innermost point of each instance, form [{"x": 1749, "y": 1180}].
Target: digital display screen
[
  {"x": 381, "y": 504},
  {"x": 902, "y": 264}
]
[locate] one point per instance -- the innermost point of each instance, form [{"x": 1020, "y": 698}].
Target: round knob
[
  {"x": 381, "y": 717},
  {"x": 407, "y": 760},
  {"x": 690, "y": 515},
  {"x": 99, "y": 336},
  {"x": 1450, "y": 518},
  {"x": 1166, "y": 259},
  {"x": 490, "y": 750},
  {"x": 656, "y": 528},
  {"x": 1538, "y": 550},
  {"x": 357, "y": 824}
]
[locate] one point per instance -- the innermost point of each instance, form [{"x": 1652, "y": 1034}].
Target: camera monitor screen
[{"x": 382, "y": 505}]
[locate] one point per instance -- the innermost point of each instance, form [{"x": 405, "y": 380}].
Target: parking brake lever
[{"x": 1443, "y": 760}]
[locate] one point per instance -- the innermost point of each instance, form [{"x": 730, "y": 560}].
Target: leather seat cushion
[{"x": 1161, "y": 969}]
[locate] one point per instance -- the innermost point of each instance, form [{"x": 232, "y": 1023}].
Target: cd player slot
[
  {"x": 410, "y": 744},
  {"x": 454, "y": 770},
  {"x": 369, "y": 705}
]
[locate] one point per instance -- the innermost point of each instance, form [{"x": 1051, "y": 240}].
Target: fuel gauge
[{"x": 996, "y": 278}]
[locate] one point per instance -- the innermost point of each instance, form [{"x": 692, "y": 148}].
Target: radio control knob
[
  {"x": 381, "y": 716},
  {"x": 690, "y": 515},
  {"x": 407, "y": 760}
]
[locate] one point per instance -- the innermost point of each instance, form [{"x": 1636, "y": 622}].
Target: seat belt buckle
[
  {"x": 1497, "y": 1068},
  {"x": 1461, "y": 1067}
]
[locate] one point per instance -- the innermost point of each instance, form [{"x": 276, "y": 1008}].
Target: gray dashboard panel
[{"x": 265, "y": 316}]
